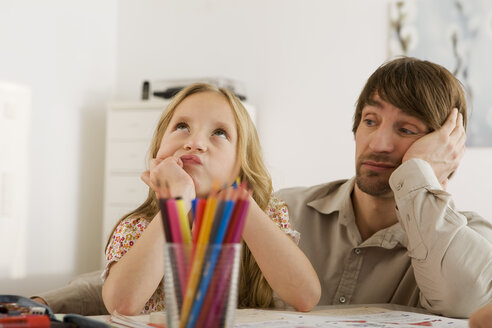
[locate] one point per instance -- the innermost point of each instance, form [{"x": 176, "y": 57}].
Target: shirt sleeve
[
  {"x": 123, "y": 238},
  {"x": 278, "y": 213},
  {"x": 451, "y": 251}
]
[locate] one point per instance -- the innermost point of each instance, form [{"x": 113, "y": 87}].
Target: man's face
[{"x": 383, "y": 136}]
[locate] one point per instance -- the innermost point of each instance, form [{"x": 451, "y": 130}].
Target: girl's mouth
[{"x": 191, "y": 160}]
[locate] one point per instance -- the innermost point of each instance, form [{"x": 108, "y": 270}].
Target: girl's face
[{"x": 203, "y": 134}]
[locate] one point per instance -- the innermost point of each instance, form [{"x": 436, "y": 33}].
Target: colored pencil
[
  {"x": 183, "y": 221},
  {"x": 197, "y": 260},
  {"x": 180, "y": 262},
  {"x": 209, "y": 267},
  {"x": 165, "y": 220},
  {"x": 202, "y": 279},
  {"x": 219, "y": 301},
  {"x": 200, "y": 208}
]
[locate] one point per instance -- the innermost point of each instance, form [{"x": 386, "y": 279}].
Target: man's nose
[
  {"x": 382, "y": 140},
  {"x": 196, "y": 143}
]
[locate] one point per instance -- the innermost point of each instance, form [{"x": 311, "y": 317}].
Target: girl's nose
[
  {"x": 195, "y": 143},
  {"x": 382, "y": 140}
]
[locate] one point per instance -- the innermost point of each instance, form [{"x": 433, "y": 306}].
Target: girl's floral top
[{"x": 130, "y": 229}]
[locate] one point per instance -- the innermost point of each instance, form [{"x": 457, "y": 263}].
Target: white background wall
[
  {"x": 65, "y": 52},
  {"x": 303, "y": 64}
]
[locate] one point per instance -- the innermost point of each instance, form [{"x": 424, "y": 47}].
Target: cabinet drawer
[
  {"x": 124, "y": 156},
  {"x": 132, "y": 124},
  {"x": 125, "y": 190}
]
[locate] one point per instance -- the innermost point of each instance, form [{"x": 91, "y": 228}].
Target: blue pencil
[{"x": 209, "y": 266}]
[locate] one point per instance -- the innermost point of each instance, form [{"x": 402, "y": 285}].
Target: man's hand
[{"x": 443, "y": 149}]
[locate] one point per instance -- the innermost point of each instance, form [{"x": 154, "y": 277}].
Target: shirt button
[
  {"x": 357, "y": 251},
  {"x": 342, "y": 299}
]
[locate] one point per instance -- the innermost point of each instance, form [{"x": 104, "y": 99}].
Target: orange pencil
[{"x": 198, "y": 257}]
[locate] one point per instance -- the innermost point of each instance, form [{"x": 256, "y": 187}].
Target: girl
[{"x": 206, "y": 135}]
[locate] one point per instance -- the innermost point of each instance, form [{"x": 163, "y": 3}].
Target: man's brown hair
[{"x": 419, "y": 88}]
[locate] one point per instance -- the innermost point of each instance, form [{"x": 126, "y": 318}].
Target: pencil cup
[{"x": 200, "y": 284}]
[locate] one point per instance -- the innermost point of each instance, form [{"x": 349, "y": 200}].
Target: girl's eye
[
  {"x": 220, "y": 133},
  {"x": 182, "y": 126}
]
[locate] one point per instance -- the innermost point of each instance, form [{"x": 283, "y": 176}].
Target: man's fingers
[
  {"x": 461, "y": 140},
  {"x": 458, "y": 136},
  {"x": 450, "y": 123},
  {"x": 459, "y": 128}
]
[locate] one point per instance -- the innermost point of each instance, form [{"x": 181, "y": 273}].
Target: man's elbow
[{"x": 458, "y": 303}]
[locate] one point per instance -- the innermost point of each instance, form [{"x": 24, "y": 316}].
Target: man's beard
[{"x": 374, "y": 183}]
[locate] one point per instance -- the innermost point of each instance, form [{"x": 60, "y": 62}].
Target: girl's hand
[{"x": 169, "y": 173}]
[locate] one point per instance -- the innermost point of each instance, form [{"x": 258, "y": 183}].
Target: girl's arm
[
  {"x": 285, "y": 267},
  {"x": 134, "y": 278}
]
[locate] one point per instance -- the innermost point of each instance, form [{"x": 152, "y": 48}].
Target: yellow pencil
[
  {"x": 183, "y": 221},
  {"x": 197, "y": 262}
]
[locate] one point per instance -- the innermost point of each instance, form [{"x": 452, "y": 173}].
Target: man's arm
[
  {"x": 451, "y": 251},
  {"x": 81, "y": 296}
]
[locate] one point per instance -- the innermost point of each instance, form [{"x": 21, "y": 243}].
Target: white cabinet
[{"x": 129, "y": 130}]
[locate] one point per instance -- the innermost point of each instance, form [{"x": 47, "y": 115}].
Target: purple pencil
[{"x": 218, "y": 305}]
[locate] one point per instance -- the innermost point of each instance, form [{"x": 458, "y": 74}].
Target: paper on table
[
  {"x": 155, "y": 319},
  {"x": 389, "y": 319}
]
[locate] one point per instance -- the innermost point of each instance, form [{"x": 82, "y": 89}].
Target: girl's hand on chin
[{"x": 170, "y": 175}]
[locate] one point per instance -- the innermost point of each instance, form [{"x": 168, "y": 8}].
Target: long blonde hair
[{"x": 254, "y": 290}]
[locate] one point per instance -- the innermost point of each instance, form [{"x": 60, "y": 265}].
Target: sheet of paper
[{"x": 388, "y": 319}]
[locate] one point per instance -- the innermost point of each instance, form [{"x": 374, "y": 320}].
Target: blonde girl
[{"x": 206, "y": 135}]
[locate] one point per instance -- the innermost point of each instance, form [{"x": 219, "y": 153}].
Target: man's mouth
[{"x": 378, "y": 166}]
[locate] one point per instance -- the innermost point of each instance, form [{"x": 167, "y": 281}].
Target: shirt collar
[
  {"x": 340, "y": 200},
  {"x": 336, "y": 200}
]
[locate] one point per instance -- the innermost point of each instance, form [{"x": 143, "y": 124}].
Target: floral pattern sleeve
[
  {"x": 124, "y": 236},
  {"x": 278, "y": 213}
]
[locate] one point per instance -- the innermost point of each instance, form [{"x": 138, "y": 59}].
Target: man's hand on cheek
[{"x": 443, "y": 149}]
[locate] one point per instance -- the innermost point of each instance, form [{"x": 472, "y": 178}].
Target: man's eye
[
  {"x": 182, "y": 126},
  {"x": 369, "y": 122},
  {"x": 407, "y": 131},
  {"x": 220, "y": 133}
]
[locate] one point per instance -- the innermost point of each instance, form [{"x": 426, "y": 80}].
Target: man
[{"x": 392, "y": 233}]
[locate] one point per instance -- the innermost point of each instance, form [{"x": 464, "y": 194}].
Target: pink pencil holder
[{"x": 214, "y": 290}]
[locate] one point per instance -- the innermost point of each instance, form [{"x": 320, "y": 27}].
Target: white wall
[
  {"x": 303, "y": 63},
  {"x": 65, "y": 52}
]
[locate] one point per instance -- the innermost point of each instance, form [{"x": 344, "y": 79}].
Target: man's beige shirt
[{"x": 435, "y": 257}]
